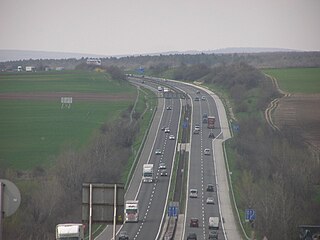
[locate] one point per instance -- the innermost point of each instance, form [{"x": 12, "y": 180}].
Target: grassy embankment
[{"x": 34, "y": 131}]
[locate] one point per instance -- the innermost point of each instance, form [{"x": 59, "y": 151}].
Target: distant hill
[{"x": 15, "y": 55}]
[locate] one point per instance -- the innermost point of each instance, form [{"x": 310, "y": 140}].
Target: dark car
[
  {"x": 210, "y": 188},
  {"x": 164, "y": 173},
  {"x": 194, "y": 222},
  {"x": 213, "y": 235},
  {"x": 123, "y": 235},
  {"x": 192, "y": 236}
]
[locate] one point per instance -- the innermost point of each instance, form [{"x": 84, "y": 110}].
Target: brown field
[{"x": 302, "y": 112}]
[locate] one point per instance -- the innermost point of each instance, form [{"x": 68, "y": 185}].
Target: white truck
[
  {"x": 147, "y": 173},
  {"x": 68, "y": 231},
  {"x": 214, "y": 223},
  {"x": 131, "y": 211}
]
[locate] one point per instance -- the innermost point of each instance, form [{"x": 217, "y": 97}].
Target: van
[{"x": 213, "y": 223}]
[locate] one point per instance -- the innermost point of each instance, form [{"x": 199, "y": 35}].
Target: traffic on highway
[{"x": 151, "y": 181}]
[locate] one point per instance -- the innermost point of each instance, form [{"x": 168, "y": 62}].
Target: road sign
[
  {"x": 173, "y": 209},
  {"x": 103, "y": 202},
  {"x": 11, "y": 197},
  {"x": 185, "y": 124},
  {"x": 250, "y": 215}
]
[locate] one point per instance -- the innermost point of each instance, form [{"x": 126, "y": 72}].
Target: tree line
[
  {"x": 57, "y": 195},
  {"x": 274, "y": 173}
]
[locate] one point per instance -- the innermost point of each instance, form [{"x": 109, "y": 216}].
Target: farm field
[
  {"x": 300, "y": 109},
  {"x": 33, "y": 126},
  {"x": 297, "y": 80}
]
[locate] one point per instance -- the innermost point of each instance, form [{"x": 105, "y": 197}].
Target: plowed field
[{"x": 302, "y": 112}]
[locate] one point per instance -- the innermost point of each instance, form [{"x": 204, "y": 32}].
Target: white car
[
  {"x": 207, "y": 151},
  {"x": 166, "y": 130},
  {"x": 172, "y": 137},
  {"x": 210, "y": 200},
  {"x": 203, "y": 98},
  {"x": 158, "y": 152},
  {"x": 162, "y": 166},
  {"x": 193, "y": 193}
]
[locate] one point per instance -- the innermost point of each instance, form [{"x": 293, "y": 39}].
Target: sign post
[{"x": 103, "y": 203}]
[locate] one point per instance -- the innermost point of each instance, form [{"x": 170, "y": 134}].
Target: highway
[
  {"x": 202, "y": 170},
  {"x": 152, "y": 196}
]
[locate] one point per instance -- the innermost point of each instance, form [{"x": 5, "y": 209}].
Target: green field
[
  {"x": 69, "y": 81},
  {"x": 297, "y": 80},
  {"x": 34, "y": 131}
]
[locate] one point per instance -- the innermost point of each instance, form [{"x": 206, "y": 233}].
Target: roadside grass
[{"x": 297, "y": 80}]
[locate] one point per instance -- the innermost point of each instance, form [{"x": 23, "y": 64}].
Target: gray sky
[{"x": 112, "y": 27}]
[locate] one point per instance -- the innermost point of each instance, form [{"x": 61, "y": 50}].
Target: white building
[{"x": 30, "y": 69}]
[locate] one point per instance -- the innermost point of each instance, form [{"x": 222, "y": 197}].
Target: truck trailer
[
  {"x": 147, "y": 173},
  {"x": 74, "y": 231},
  {"x": 211, "y": 122}
]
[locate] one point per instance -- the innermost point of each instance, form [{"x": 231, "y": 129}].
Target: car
[
  {"x": 203, "y": 98},
  {"x": 205, "y": 115},
  {"x": 210, "y": 188},
  {"x": 194, "y": 222},
  {"x": 192, "y": 236},
  {"x": 211, "y": 135},
  {"x": 169, "y": 108},
  {"x": 195, "y": 131},
  {"x": 172, "y": 137},
  {"x": 205, "y": 120},
  {"x": 163, "y": 128},
  {"x": 163, "y": 173},
  {"x": 206, "y": 151},
  {"x": 197, "y": 99},
  {"x": 193, "y": 193},
  {"x": 158, "y": 152},
  {"x": 213, "y": 235},
  {"x": 166, "y": 130},
  {"x": 197, "y": 127},
  {"x": 123, "y": 235},
  {"x": 198, "y": 92},
  {"x": 210, "y": 200},
  {"x": 162, "y": 165}
]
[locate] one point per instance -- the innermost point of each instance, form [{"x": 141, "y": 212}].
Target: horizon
[{"x": 117, "y": 28}]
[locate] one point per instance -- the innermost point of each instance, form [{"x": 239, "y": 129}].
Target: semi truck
[
  {"x": 74, "y": 231},
  {"x": 147, "y": 173},
  {"x": 211, "y": 121},
  {"x": 131, "y": 211}
]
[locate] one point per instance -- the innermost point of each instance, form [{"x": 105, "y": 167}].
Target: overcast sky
[{"x": 113, "y": 27}]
